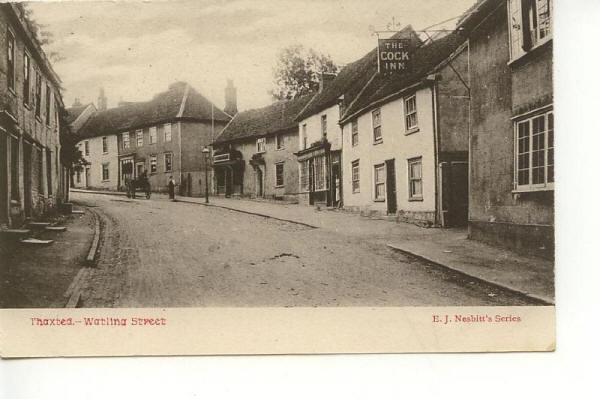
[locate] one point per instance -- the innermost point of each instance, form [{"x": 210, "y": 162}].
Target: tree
[
  {"x": 44, "y": 37},
  {"x": 297, "y": 71}
]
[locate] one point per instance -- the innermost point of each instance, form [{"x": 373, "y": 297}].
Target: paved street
[{"x": 157, "y": 253}]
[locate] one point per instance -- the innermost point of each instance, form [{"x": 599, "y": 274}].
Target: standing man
[{"x": 171, "y": 188}]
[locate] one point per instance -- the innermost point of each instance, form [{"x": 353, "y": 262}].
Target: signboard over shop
[{"x": 394, "y": 56}]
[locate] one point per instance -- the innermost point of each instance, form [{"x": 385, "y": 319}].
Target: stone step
[
  {"x": 35, "y": 241},
  {"x": 38, "y": 225},
  {"x": 78, "y": 212},
  {"x": 56, "y": 228},
  {"x": 16, "y": 234}
]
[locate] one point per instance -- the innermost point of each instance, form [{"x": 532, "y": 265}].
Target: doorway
[
  {"x": 390, "y": 168},
  {"x": 27, "y": 177},
  {"x": 88, "y": 177},
  {"x": 455, "y": 193},
  {"x": 259, "y": 182}
]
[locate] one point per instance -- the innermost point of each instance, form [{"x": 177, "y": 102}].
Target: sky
[{"x": 136, "y": 49}]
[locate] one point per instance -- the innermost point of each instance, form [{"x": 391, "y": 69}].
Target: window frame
[
  {"x": 104, "y": 144},
  {"x": 279, "y": 165},
  {"x": 408, "y": 113},
  {"x": 354, "y": 133},
  {"x": 124, "y": 142},
  {"x": 304, "y": 137},
  {"x": 530, "y": 186},
  {"x": 38, "y": 95},
  {"x": 412, "y": 196},
  {"x": 152, "y": 140},
  {"x": 516, "y": 32},
  {"x": 279, "y": 145},
  {"x": 153, "y": 160},
  {"x": 26, "y": 79},
  {"x": 376, "y": 183},
  {"x": 86, "y": 148},
  {"x": 355, "y": 177},
  {"x": 169, "y": 137},
  {"x": 324, "y": 126},
  {"x": 48, "y": 99},
  {"x": 376, "y": 123},
  {"x": 261, "y": 142},
  {"x": 170, "y": 156},
  {"x": 105, "y": 167},
  {"x": 11, "y": 61},
  {"x": 139, "y": 136}
]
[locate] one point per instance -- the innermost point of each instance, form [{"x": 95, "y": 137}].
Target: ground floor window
[
  {"x": 105, "y": 173},
  {"x": 78, "y": 176},
  {"x": 534, "y": 152},
  {"x": 14, "y": 169},
  {"x": 356, "y": 177},
  {"x": 415, "y": 179},
  {"x": 379, "y": 182},
  {"x": 304, "y": 177},
  {"x": 153, "y": 164},
  {"x": 279, "y": 174},
  {"x": 168, "y": 162},
  {"x": 319, "y": 173}
]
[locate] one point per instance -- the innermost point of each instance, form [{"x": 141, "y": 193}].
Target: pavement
[
  {"x": 39, "y": 276},
  {"x": 449, "y": 248}
]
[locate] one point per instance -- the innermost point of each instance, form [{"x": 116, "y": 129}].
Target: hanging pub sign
[{"x": 394, "y": 56}]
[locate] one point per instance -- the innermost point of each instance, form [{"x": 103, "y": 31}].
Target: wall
[
  {"x": 313, "y": 127},
  {"x": 96, "y": 159},
  {"x": 41, "y": 133},
  {"x": 495, "y": 214},
  {"x": 272, "y": 156},
  {"x": 398, "y": 145}
]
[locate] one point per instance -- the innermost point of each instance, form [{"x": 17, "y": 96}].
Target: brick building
[
  {"x": 405, "y": 138},
  {"x": 32, "y": 181},
  {"x": 164, "y": 137},
  {"x": 511, "y": 198},
  {"x": 254, "y": 154}
]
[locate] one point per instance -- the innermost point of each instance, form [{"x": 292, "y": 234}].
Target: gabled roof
[
  {"x": 274, "y": 118},
  {"x": 351, "y": 79},
  {"x": 74, "y": 112},
  {"x": 477, "y": 12},
  {"x": 425, "y": 59},
  {"x": 179, "y": 102}
]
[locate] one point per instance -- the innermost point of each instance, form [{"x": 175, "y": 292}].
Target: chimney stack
[
  {"x": 324, "y": 79},
  {"x": 230, "y": 98},
  {"x": 76, "y": 103},
  {"x": 101, "y": 100}
]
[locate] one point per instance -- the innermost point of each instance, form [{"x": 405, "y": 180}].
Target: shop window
[{"x": 304, "y": 176}]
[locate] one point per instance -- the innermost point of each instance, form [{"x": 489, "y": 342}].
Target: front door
[
  {"x": 390, "y": 167},
  {"x": 259, "y": 182},
  {"x": 88, "y": 177},
  {"x": 335, "y": 184},
  {"x": 27, "y": 177}
]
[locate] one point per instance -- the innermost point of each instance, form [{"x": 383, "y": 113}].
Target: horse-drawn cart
[{"x": 140, "y": 183}]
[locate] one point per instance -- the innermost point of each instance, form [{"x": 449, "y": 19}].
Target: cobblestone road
[{"x": 157, "y": 253}]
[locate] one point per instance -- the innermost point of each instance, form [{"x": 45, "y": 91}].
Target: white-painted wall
[
  {"x": 313, "y": 128},
  {"x": 96, "y": 159},
  {"x": 397, "y": 144}
]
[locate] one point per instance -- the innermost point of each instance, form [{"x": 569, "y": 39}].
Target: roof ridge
[
  {"x": 183, "y": 100},
  {"x": 360, "y": 93}
]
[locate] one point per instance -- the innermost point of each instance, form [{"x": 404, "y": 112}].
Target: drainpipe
[{"x": 436, "y": 144}]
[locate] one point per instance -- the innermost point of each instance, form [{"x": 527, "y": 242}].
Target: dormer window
[{"x": 530, "y": 23}]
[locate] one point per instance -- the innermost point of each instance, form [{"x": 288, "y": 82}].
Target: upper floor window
[
  {"x": 376, "y": 116},
  {"x": 152, "y": 134},
  {"x": 48, "y": 103},
  {"x": 354, "y": 127},
  {"x": 324, "y": 125},
  {"x": 125, "y": 140},
  {"x": 26, "y": 79},
  {"x": 38, "y": 94},
  {"x": 534, "y": 153},
  {"x": 167, "y": 132},
  {"x": 304, "y": 137},
  {"x": 530, "y": 23},
  {"x": 260, "y": 144},
  {"x": 104, "y": 145},
  {"x": 86, "y": 146},
  {"x": 410, "y": 113},
  {"x": 139, "y": 138},
  {"x": 10, "y": 61},
  {"x": 279, "y": 141}
]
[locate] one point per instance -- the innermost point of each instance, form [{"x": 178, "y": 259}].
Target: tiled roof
[
  {"x": 425, "y": 59},
  {"x": 74, "y": 112},
  {"x": 277, "y": 117},
  {"x": 351, "y": 79},
  {"x": 164, "y": 107}
]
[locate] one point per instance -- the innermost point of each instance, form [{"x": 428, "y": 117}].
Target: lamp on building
[{"x": 206, "y": 153}]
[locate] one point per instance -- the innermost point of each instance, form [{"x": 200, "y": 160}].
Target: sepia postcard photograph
[{"x": 269, "y": 177}]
